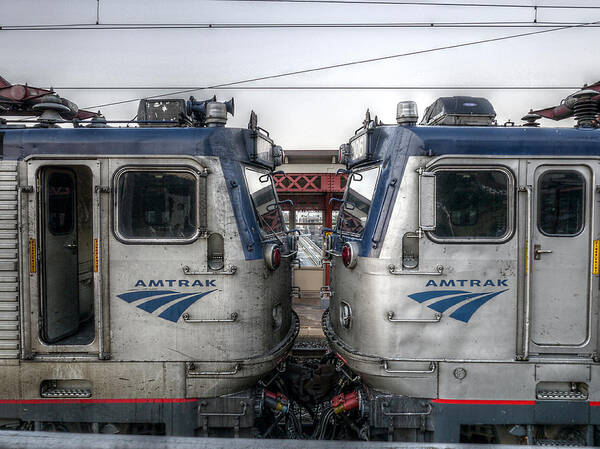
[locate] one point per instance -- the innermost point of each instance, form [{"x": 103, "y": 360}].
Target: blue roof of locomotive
[
  {"x": 501, "y": 140},
  {"x": 228, "y": 143}
]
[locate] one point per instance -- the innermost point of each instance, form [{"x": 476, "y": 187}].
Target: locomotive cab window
[
  {"x": 157, "y": 205},
  {"x": 357, "y": 202},
  {"x": 473, "y": 204},
  {"x": 265, "y": 202}
]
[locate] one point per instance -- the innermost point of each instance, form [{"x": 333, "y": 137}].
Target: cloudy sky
[{"x": 301, "y": 119}]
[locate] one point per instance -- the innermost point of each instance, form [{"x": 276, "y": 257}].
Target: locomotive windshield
[
  {"x": 264, "y": 200},
  {"x": 357, "y": 202}
]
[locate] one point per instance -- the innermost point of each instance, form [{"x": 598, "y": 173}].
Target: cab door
[
  {"x": 560, "y": 252},
  {"x": 62, "y": 295},
  {"x": 60, "y": 304}
]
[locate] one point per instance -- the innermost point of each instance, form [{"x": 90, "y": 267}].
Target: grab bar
[
  {"x": 192, "y": 367},
  {"x": 436, "y": 319},
  {"x": 431, "y": 370},
  {"x": 526, "y": 307},
  {"x": 439, "y": 271},
  {"x": 229, "y": 271},
  {"x": 385, "y": 405},
  {"x": 204, "y": 404},
  {"x": 232, "y": 318}
]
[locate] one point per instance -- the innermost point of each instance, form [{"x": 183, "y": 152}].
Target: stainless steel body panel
[
  {"x": 393, "y": 329},
  {"x": 251, "y": 292},
  {"x": 136, "y": 352}
]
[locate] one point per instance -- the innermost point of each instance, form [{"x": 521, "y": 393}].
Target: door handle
[
  {"x": 72, "y": 246},
  {"x": 538, "y": 251}
]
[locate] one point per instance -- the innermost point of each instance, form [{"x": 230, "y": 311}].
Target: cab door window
[{"x": 561, "y": 203}]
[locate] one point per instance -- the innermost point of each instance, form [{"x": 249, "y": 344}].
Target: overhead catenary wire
[
  {"x": 57, "y": 88},
  {"x": 420, "y": 3},
  {"x": 218, "y": 26},
  {"x": 353, "y": 63}
]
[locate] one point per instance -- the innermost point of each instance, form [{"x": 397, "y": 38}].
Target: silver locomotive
[
  {"x": 466, "y": 275},
  {"x": 145, "y": 271}
]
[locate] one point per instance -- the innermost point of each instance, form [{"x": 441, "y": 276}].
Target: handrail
[
  {"x": 436, "y": 319},
  {"x": 439, "y": 271},
  {"x": 431, "y": 370},
  {"x": 191, "y": 372},
  {"x": 226, "y": 272},
  {"x": 526, "y": 316},
  {"x": 232, "y": 318},
  {"x": 290, "y": 254}
]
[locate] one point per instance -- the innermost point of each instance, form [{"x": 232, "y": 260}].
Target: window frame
[
  {"x": 165, "y": 170},
  {"x": 338, "y": 227},
  {"x": 268, "y": 236},
  {"x": 539, "y": 203},
  {"x": 510, "y": 206},
  {"x": 73, "y": 195}
]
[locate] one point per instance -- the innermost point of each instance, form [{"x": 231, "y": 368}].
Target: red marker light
[
  {"x": 347, "y": 255},
  {"x": 276, "y": 257},
  {"x": 272, "y": 254}
]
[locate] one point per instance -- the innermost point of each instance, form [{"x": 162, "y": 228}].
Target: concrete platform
[
  {"x": 308, "y": 308},
  {"x": 52, "y": 440}
]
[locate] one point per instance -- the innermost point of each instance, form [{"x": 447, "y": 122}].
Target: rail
[{"x": 310, "y": 249}]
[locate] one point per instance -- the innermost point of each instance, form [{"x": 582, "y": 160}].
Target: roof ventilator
[
  {"x": 460, "y": 111},
  {"x": 179, "y": 112}
]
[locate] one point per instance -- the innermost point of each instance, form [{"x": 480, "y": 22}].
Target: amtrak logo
[
  {"x": 153, "y": 300},
  {"x": 471, "y": 302}
]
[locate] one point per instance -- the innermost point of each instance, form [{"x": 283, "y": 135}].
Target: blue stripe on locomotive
[
  {"x": 394, "y": 144},
  {"x": 231, "y": 145}
]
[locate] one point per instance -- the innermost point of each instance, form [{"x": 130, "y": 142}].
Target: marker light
[
  {"x": 272, "y": 256},
  {"x": 350, "y": 254},
  {"x": 276, "y": 257}
]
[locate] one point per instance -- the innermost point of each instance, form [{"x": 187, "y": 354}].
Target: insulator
[
  {"x": 586, "y": 108},
  {"x": 585, "y": 113},
  {"x": 530, "y": 119}
]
